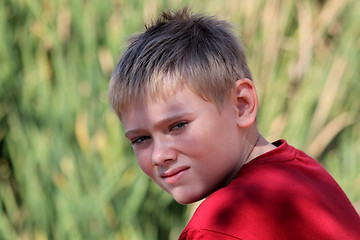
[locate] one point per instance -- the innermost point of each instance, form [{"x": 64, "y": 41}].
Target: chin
[{"x": 186, "y": 199}]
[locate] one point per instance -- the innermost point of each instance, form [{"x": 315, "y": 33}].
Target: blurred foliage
[{"x": 66, "y": 171}]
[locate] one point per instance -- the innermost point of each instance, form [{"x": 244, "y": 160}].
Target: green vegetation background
[{"x": 66, "y": 171}]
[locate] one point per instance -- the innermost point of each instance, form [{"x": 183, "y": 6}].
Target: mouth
[{"x": 173, "y": 176}]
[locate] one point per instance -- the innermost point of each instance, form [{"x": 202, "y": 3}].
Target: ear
[{"x": 246, "y": 102}]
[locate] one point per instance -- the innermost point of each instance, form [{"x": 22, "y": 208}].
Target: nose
[{"x": 163, "y": 152}]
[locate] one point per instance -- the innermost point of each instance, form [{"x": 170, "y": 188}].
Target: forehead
[
  {"x": 169, "y": 105},
  {"x": 152, "y": 95}
]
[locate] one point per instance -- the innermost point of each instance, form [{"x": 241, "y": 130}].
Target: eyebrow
[
  {"x": 130, "y": 132},
  {"x": 161, "y": 122}
]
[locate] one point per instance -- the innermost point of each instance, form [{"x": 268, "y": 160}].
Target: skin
[{"x": 189, "y": 147}]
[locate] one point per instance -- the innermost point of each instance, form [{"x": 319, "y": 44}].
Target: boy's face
[{"x": 185, "y": 144}]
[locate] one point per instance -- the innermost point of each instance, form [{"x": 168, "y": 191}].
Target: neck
[
  {"x": 262, "y": 146},
  {"x": 257, "y": 145}
]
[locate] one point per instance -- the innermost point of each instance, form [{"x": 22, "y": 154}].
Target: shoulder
[
  {"x": 278, "y": 195},
  {"x": 232, "y": 212}
]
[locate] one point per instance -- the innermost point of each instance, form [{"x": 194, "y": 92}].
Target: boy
[{"x": 183, "y": 92}]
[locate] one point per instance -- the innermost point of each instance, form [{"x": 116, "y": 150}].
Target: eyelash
[
  {"x": 175, "y": 127},
  {"x": 140, "y": 139},
  {"x": 178, "y": 126}
]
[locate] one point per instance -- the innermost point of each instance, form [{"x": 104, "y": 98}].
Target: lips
[{"x": 173, "y": 175}]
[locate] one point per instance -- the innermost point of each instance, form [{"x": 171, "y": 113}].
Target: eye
[
  {"x": 139, "y": 140},
  {"x": 178, "y": 126}
]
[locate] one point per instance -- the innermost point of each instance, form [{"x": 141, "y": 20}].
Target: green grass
[{"x": 66, "y": 171}]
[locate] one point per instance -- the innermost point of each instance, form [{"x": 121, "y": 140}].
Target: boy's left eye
[{"x": 178, "y": 126}]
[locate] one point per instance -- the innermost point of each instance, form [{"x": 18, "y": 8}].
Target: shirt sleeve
[{"x": 204, "y": 234}]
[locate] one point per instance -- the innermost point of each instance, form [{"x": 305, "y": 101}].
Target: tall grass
[{"x": 66, "y": 171}]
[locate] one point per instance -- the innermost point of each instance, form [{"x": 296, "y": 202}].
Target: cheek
[
  {"x": 144, "y": 162},
  {"x": 189, "y": 144},
  {"x": 201, "y": 139},
  {"x": 210, "y": 142}
]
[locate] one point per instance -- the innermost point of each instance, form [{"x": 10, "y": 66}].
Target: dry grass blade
[
  {"x": 327, "y": 134},
  {"x": 328, "y": 96}
]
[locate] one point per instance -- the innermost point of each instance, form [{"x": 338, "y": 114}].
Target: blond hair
[{"x": 179, "y": 49}]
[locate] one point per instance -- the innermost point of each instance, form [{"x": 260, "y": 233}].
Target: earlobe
[{"x": 246, "y": 102}]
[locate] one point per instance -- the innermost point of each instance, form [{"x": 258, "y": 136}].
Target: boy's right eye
[{"x": 139, "y": 140}]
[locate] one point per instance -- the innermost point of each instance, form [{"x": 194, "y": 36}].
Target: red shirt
[{"x": 282, "y": 194}]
